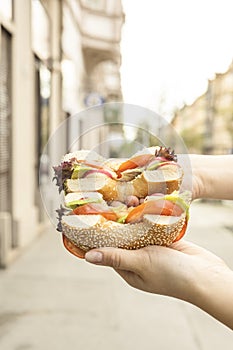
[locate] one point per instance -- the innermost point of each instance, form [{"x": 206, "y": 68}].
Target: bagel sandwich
[{"x": 125, "y": 203}]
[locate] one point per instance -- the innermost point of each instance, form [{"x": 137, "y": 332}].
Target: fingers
[{"x": 119, "y": 259}]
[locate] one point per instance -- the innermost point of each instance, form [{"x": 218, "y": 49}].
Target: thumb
[{"x": 119, "y": 259}]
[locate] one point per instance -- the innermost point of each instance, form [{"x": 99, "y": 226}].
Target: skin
[
  {"x": 183, "y": 270},
  {"x": 212, "y": 176}
]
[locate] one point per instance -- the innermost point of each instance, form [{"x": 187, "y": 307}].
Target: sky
[{"x": 170, "y": 48}]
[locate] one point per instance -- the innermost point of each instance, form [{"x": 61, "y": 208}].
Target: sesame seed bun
[{"x": 94, "y": 231}]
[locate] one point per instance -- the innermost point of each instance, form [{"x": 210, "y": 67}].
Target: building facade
[
  {"x": 207, "y": 124},
  {"x": 57, "y": 57}
]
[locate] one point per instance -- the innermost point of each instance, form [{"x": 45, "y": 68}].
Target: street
[{"x": 51, "y": 300}]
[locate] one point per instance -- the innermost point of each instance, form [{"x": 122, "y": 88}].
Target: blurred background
[{"x": 57, "y": 58}]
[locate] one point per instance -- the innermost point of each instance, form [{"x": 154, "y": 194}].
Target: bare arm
[
  {"x": 214, "y": 294},
  {"x": 184, "y": 271},
  {"x": 212, "y": 176}
]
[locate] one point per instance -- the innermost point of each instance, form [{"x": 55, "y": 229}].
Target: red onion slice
[{"x": 100, "y": 171}]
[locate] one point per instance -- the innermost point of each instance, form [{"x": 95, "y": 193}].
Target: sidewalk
[{"x": 51, "y": 300}]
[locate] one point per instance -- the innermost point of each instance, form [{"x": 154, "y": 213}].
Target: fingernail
[{"x": 94, "y": 257}]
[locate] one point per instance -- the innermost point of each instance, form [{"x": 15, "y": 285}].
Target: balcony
[{"x": 99, "y": 23}]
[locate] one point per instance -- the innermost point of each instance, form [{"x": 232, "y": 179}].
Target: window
[
  {"x": 42, "y": 90},
  {"x": 5, "y": 121}
]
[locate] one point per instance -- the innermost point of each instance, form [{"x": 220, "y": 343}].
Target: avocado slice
[
  {"x": 154, "y": 166},
  {"x": 122, "y": 219},
  {"x": 79, "y": 202},
  {"x": 79, "y": 170}
]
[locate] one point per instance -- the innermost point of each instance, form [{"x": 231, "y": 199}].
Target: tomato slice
[
  {"x": 72, "y": 248},
  {"x": 134, "y": 162},
  {"x": 88, "y": 209},
  {"x": 182, "y": 232},
  {"x": 156, "y": 207}
]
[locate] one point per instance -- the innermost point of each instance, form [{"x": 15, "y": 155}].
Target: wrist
[
  {"x": 212, "y": 291},
  {"x": 212, "y": 176},
  {"x": 197, "y": 185},
  {"x": 198, "y": 178}
]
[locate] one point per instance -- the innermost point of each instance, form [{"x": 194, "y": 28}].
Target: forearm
[
  {"x": 213, "y": 293},
  {"x": 212, "y": 176}
]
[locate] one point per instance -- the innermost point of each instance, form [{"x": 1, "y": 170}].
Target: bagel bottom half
[{"x": 84, "y": 232}]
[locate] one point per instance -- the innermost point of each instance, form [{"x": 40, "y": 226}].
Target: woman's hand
[
  {"x": 156, "y": 269},
  {"x": 184, "y": 270}
]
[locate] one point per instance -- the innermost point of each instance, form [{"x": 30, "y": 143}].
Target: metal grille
[{"x": 5, "y": 121}]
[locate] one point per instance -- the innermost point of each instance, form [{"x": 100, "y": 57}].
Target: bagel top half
[{"x": 152, "y": 170}]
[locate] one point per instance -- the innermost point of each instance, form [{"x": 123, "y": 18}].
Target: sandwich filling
[
  {"x": 132, "y": 208},
  {"x": 76, "y": 169},
  {"x": 156, "y": 204}
]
